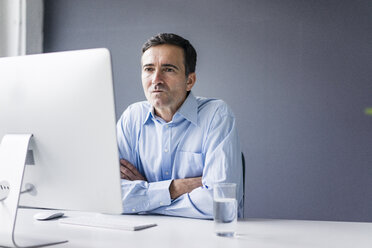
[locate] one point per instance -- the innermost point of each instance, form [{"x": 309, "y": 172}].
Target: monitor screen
[{"x": 66, "y": 100}]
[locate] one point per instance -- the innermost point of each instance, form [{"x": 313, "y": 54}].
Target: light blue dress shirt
[{"x": 200, "y": 140}]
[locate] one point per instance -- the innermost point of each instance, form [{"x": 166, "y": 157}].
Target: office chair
[{"x": 243, "y": 164}]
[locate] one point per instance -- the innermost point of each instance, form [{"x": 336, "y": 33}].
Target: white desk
[{"x": 182, "y": 232}]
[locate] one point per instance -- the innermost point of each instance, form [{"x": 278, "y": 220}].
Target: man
[{"x": 175, "y": 146}]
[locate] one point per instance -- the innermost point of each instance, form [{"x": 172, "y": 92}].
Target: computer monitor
[{"x": 66, "y": 100}]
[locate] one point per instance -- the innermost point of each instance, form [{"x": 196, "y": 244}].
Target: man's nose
[{"x": 157, "y": 77}]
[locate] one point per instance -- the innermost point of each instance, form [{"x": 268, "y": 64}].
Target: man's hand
[
  {"x": 179, "y": 187},
  {"x": 129, "y": 172}
]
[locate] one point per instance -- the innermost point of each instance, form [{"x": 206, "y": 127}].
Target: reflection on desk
[{"x": 184, "y": 232}]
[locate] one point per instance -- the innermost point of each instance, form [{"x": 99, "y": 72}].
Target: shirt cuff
[{"x": 158, "y": 193}]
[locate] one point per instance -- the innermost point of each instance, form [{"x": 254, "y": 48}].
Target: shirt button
[
  {"x": 167, "y": 126},
  {"x": 161, "y": 203},
  {"x": 166, "y": 173},
  {"x": 133, "y": 210},
  {"x": 165, "y": 150}
]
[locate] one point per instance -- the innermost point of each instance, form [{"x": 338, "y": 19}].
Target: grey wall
[{"x": 297, "y": 74}]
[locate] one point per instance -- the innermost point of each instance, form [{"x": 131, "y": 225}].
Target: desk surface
[{"x": 184, "y": 232}]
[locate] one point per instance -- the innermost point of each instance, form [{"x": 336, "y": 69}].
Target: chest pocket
[{"x": 188, "y": 164}]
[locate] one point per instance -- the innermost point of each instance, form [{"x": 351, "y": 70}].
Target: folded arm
[{"x": 177, "y": 187}]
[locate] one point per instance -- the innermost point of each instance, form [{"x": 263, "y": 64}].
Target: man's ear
[{"x": 191, "y": 79}]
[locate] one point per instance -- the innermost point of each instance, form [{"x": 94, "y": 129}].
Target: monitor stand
[{"x": 13, "y": 152}]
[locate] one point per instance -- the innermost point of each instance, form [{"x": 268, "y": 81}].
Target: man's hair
[{"x": 189, "y": 53}]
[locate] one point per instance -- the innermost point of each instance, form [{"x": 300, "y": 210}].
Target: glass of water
[{"x": 225, "y": 209}]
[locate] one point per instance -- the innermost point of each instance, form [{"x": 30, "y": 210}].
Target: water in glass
[{"x": 225, "y": 216}]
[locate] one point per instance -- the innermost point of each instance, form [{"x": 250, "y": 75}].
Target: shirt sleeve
[
  {"x": 138, "y": 196},
  {"x": 222, "y": 164},
  {"x": 141, "y": 196}
]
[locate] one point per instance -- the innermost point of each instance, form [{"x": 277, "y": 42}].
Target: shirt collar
[
  {"x": 188, "y": 110},
  {"x": 150, "y": 114}
]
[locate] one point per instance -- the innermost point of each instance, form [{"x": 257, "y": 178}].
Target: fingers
[
  {"x": 179, "y": 187},
  {"x": 126, "y": 173},
  {"x": 129, "y": 169},
  {"x": 128, "y": 165},
  {"x": 136, "y": 173},
  {"x": 130, "y": 172}
]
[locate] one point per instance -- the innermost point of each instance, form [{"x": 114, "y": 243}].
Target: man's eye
[
  {"x": 168, "y": 69},
  {"x": 148, "y": 69}
]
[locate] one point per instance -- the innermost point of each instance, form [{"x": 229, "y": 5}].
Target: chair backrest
[{"x": 243, "y": 164}]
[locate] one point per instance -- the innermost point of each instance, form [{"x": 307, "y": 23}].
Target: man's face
[{"x": 163, "y": 77}]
